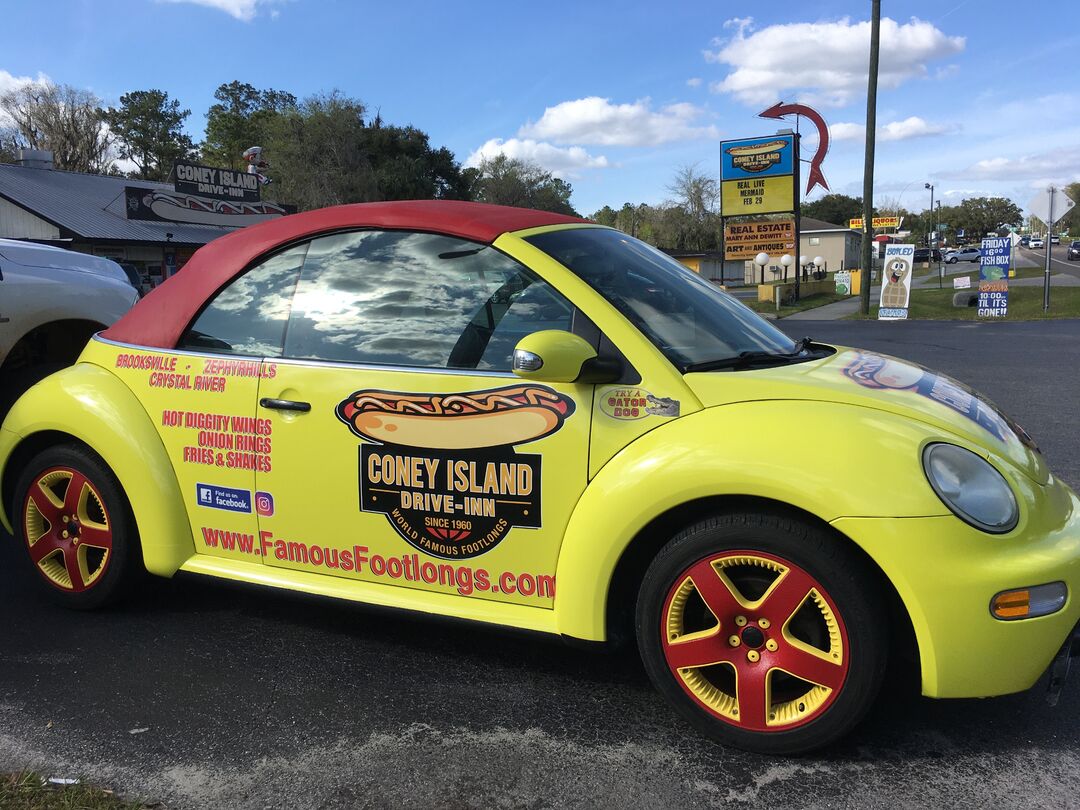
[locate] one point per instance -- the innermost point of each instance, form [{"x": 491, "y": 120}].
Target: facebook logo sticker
[{"x": 227, "y": 498}]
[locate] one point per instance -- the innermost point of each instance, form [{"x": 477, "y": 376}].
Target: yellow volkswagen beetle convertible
[{"x": 524, "y": 419}]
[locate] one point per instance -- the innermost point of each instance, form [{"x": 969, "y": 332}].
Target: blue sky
[{"x": 976, "y": 96}]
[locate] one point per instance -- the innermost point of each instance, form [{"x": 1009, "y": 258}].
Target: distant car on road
[
  {"x": 51, "y": 302},
  {"x": 968, "y": 254},
  {"x": 1037, "y": 242},
  {"x": 927, "y": 255},
  {"x": 1074, "y": 250},
  {"x": 1055, "y": 240},
  {"x": 1025, "y": 241}
]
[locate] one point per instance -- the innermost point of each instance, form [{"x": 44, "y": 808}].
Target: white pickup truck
[{"x": 51, "y": 302}]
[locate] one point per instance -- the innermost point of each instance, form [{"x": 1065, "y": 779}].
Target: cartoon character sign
[{"x": 896, "y": 283}]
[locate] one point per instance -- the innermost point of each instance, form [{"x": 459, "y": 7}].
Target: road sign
[
  {"x": 959, "y": 233},
  {"x": 744, "y": 240},
  {"x": 761, "y": 195},
  {"x": 1040, "y": 205}
]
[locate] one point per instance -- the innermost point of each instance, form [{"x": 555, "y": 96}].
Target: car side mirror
[{"x": 557, "y": 356}]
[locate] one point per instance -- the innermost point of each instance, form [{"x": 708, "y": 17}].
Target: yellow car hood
[{"x": 871, "y": 380}]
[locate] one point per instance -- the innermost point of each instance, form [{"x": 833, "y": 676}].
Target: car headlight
[{"x": 972, "y": 489}]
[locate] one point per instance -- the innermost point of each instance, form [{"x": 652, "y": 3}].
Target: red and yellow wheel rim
[
  {"x": 67, "y": 528},
  {"x": 755, "y": 640}
]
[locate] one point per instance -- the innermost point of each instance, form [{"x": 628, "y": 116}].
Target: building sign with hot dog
[
  {"x": 443, "y": 468},
  {"x": 208, "y": 181}
]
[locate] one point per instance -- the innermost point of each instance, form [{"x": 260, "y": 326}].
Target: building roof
[
  {"x": 808, "y": 224},
  {"x": 92, "y": 205},
  {"x": 160, "y": 318}
]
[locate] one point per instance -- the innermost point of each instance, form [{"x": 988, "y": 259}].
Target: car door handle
[{"x": 285, "y": 405}]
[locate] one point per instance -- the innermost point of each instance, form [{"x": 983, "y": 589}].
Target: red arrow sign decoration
[{"x": 779, "y": 110}]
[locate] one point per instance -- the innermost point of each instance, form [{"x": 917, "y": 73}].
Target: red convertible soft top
[{"x": 161, "y": 317}]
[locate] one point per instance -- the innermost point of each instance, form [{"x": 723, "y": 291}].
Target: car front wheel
[
  {"x": 76, "y": 527},
  {"x": 763, "y": 632}
]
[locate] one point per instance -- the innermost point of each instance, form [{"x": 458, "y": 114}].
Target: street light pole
[
  {"x": 868, "y": 160},
  {"x": 930, "y": 233},
  {"x": 1047, "y": 245}
]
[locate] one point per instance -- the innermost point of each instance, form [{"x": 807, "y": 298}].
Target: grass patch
[
  {"x": 812, "y": 302},
  {"x": 1025, "y": 304},
  {"x": 28, "y": 791}
]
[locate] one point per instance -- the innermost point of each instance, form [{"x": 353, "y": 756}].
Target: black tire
[
  {"x": 851, "y": 608},
  {"x": 82, "y": 565}
]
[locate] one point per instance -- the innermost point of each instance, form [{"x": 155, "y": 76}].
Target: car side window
[
  {"x": 417, "y": 299},
  {"x": 249, "y": 315}
]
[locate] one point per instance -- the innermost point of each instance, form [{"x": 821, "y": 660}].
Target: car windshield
[{"x": 688, "y": 319}]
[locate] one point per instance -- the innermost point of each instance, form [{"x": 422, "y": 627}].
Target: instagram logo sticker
[{"x": 264, "y": 503}]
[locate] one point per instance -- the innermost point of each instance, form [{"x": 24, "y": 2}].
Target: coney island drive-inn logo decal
[{"x": 442, "y": 467}]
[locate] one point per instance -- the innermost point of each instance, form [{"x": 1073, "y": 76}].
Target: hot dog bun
[{"x": 501, "y": 416}]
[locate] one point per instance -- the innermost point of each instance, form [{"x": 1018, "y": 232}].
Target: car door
[
  {"x": 202, "y": 398},
  {"x": 405, "y": 452}
]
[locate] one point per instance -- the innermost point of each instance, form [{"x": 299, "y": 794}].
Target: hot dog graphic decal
[{"x": 442, "y": 467}]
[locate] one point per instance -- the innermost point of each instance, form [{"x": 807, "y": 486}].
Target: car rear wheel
[
  {"x": 76, "y": 527},
  {"x": 764, "y": 632}
]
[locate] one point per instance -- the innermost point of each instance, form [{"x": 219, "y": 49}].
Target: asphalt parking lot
[{"x": 210, "y": 695}]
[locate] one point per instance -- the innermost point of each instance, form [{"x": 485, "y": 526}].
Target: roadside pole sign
[
  {"x": 1049, "y": 206},
  {"x": 757, "y": 175},
  {"x": 962, "y": 283},
  {"x": 896, "y": 282},
  {"x": 993, "y": 299},
  {"x": 994, "y": 256},
  {"x": 744, "y": 240}
]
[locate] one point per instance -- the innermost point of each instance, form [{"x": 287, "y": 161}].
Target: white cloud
[
  {"x": 844, "y": 131},
  {"x": 911, "y": 127},
  {"x": 560, "y": 161},
  {"x": 825, "y": 62},
  {"x": 1055, "y": 166},
  {"x": 596, "y": 120},
  {"x": 9, "y": 82},
  {"x": 694, "y": 82},
  {"x": 243, "y": 10}
]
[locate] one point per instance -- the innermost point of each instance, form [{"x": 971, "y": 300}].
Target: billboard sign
[
  {"x": 896, "y": 282},
  {"x": 744, "y": 240},
  {"x": 878, "y": 223},
  {"x": 762, "y": 195},
  {"x": 771, "y": 156},
  {"x": 757, "y": 176}
]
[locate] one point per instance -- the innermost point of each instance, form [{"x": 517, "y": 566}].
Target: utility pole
[{"x": 868, "y": 164}]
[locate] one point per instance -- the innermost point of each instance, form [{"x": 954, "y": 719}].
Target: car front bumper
[{"x": 946, "y": 573}]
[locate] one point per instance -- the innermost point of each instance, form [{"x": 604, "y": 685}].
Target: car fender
[
  {"x": 92, "y": 405},
  {"x": 820, "y": 457}
]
